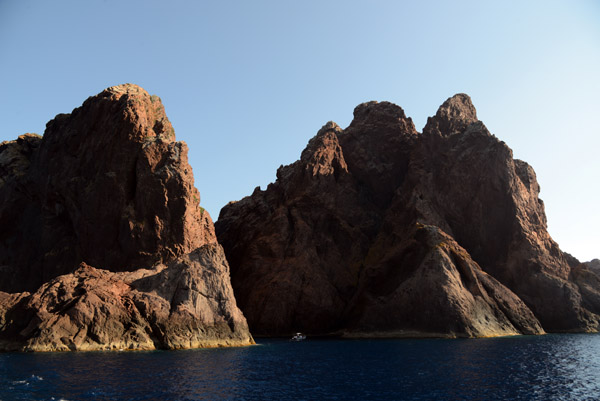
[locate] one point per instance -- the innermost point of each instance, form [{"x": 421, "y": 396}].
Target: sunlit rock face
[
  {"x": 379, "y": 230},
  {"x": 103, "y": 229}
]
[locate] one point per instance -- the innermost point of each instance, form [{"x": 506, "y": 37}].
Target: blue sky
[{"x": 247, "y": 84}]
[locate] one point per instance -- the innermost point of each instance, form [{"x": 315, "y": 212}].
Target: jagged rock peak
[
  {"x": 144, "y": 113},
  {"x": 132, "y": 92},
  {"x": 153, "y": 213},
  {"x": 126, "y": 89},
  {"x": 323, "y": 154},
  {"x": 454, "y": 115},
  {"x": 373, "y": 111},
  {"x": 348, "y": 252},
  {"x": 330, "y": 126},
  {"x": 458, "y": 106},
  {"x": 109, "y": 187}
]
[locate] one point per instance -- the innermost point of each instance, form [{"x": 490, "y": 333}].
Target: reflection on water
[{"x": 552, "y": 367}]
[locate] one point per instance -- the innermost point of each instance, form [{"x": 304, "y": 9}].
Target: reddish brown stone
[
  {"x": 400, "y": 233},
  {"x": 108, "y": 186},
  {"x": 185, "y": 304}
]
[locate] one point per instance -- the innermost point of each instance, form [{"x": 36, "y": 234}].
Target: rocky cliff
[
  {"x": 103, "y": 242},
  {"x": 380, "y": 230},
  {"x": 594, "y": 264}
]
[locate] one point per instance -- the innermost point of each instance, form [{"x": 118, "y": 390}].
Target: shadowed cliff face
[
  {"x": 109, "y": 188},
  {"x": 400, "y": 233}
]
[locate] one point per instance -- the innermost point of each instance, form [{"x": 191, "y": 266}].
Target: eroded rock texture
[
  {"x": 381, "y": 230},
  {"x": 103, "y": 242}
]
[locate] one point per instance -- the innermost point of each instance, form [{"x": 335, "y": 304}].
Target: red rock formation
[
  {"x": 334, "y": 245},
  {"x": 108, "y": 186},
  {"x": 436, "y": 290},
  {"x": 186, "y": 304}
]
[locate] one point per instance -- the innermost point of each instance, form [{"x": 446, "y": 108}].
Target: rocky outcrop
[
  {"x": 108, "y": 185},
  {"x": 381, "y": 230},
  {"x": 186, "y": 304},
  {"x": 440, "y": 292},
  {"x": 104, "y": 244},
  {"x": 594, "y": 264}
]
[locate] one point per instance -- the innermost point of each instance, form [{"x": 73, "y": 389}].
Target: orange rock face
[
  {"x": 108, "y": 186},
  {"x": 381, "y": 230}
]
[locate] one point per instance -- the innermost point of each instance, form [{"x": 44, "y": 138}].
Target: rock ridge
[{"x": 397, "y": 233}]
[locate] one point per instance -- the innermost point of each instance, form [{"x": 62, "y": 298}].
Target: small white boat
[{"x": 298, "y": 337}]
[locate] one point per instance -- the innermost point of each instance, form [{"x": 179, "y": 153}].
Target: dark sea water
[{"x": 551, "y": 367}]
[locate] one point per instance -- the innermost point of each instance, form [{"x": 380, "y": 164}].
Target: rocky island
[
  {"x": 380, "y": 230},
  {"x": 103, "y": 242}
]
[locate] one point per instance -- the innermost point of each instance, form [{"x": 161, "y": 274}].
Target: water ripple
[{"x": 552, "y": 367}]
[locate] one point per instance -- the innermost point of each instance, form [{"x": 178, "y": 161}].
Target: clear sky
[{"x": 247, "y": 83}]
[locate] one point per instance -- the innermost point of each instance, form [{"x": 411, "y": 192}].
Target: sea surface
[{"x": 550, "y": 367}]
